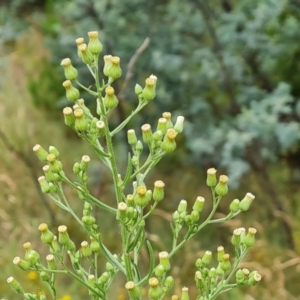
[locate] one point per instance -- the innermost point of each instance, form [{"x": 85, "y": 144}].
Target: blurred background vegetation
[{"x": 231, "y": 67}]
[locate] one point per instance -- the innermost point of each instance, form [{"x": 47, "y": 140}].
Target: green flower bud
[
  {"x": 70, "y": 72},
  {"x": 40, "y": 152},
  {"x": 176, "y": 216},
  {"x": 86, "y": 56},
  {"x": 44, "y": 276},
  {"x": 225, "y": 263},
  {"x": 81, "y": 123},
  {"x": 157, "y": 136},
  {"x": 222, "y": 188},
  {"x": 182, "y": 206},
  {"x": 185, "y": 294},
  {"x": 100, "y": 126},
  {"x": 109, "y": 268},
  {"x": 44, "y": 184},
  {"x": 158, "y": 192},
  {"x": 70, "y": 246},
  {"x": 139, "y": 147},
  {"x": 236, "y": 237},
  {"x": 194, "y": 216},
  {"x": 164, "y": 260},
  {"x": 160, "y": 271},
  {"x": 94, "y": 45},
  {"x": 155, "y": 291},
  {"x": 55, "y": 248},
  {"x": 169, "y": 282},
  {"x": 138, "y": 89},
  {"x": 199, "y": 263},
  {"x": 140, "y": 197},
  {"x": 221, "y": 253},
  {"x": 63, "y": 236},
  {"x": 130, "y": 200},
  {"x": 147, "y": 133},
  {"x": 219, "y": 270},
  {"x": 103, "y": 279},
  {"x": 84, "y": 164},
  {"x": 69, "y": 116},
  {"x": 162, "y": 125},
  {"x": 72, "y": 93},
  {"x": 179, "y": 124},
  {"x": 133, "y": 291},
  {"x": 211, "y": 179},
  {"x": 77, "y": 169},
  {"x": 149, "y": 90},
  {"x": 54, "y": 151},
  {"x": 206, "y": 258},
  {"x": 51, "y": 262},
  {"x": 31, "y": 255},
  {"x": 88, "y": 220},
  {"x": 198, "y": 205},
  {"x": 114, "y": 71},
  {"x": 85, "y": 249},
  {"x": 95, "y": 246},
  {"x": 54, "y": 164},
  {"x": 234, "y": 205},
  {"x": 254, "y": 278},
  {"x": 174, "y": 297},
  {"x": 50, "y": 176},
  {"x": 168, "y": 116},
  {"x": 199, "y": 280},
  {"x": 110, "y": 99},
  {"x": 79, "y": 41},
  {"x": 15, "y": 285},
  {"x": 169, "y": 144},
  {"x": 246, "y": 202},
  {"x": 107, "y": 64},
  {"x": 249, "y": 239},
  {"x": 240, "y": 277},
  {"x": 47, "y": 236},
  {"x": 131, "y": 137},
  {"x": 122, "y": 211},
  {"x": 21, "y": 263},
  {"x": 212, "y": 273}
]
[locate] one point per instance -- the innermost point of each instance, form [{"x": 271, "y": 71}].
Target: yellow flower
[
  {"x": 32, "y": 275},
  {"x": 65, "y": 297}
]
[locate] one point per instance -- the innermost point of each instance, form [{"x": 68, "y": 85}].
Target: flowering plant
[{"x": 129, "y": 210}]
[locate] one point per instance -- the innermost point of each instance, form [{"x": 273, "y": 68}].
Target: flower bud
[
  {"x": 86, "y": 56},
  {"x": 138, "y": 89},
  {"x": 47, "y": 236},
  {"x": 81, "y": 124},
  {"x": 130, "y": 200},
  {"x": 44, "y": 276},
  {"x": 69, "y": 116},
  {"x": 155, "y": 291},
  {"x": 225, "y": 263},
  {"x": 179, "y": 124},
  {"x": 162, "y": 125},
  {"x": 139, "y": 146},
  {"x": 15, "y": 285},
  {"x": 168, "y": 116},
  {"x": 131, "y": 137},
  {"x": 219, "y": 270},
  {"x": 246, "y": 202},
  {"x": 169, "y": 144},
  {"x": 185, "y": 294},
  {"x": 222, "y": 188},
  {"x": 31, "y": 255},
  {"x": 140, "y": 197},
  {"x": 94, "y": 45},
  {"x": 199, "y": 263},
  {"x": 21, "y": 263},
  {"x": 114, "y": 71},
  {"x": 147, "y": 133},
  {"x": 158, "y": 192},
  {"x": 55, "y": 248},
  {"x": 63, "y": 236},
  {"x": 100, "y": 126},
  {"x": 72, "y": 93},
  {"x": 157, "y": 136},
  {"x": 149, "y": 89},
  {"x": 103, "y": 279},
  {"x": 240, "y": 277},
  {"x": 206, "y": 258},
  {"x": 164, "y": 260},
  {"x": 70, "y": 72},
  {"x": 122, "y": 211},
  {"x": 132, "y": 290},
  {"x": 198, "y": 205},
  {"x": 44, "y": 184},
  {"x": 85, "y": 249},
  {"x": 88, "y": 220},
  {"x": 169, "y": 282},
  {"x": 236, "y": 237},
  {"x": 51, "y": 262},
  {"x": 54, "y": 164},
  {"x": 50, "y": 176},
  {"x": 110, "y": 99},
  {"x": 160, "y": 271},
  {"x": 211, "y": 179},
  {"x": 40, "y": 152},
  {"x": 194, "y": 216},
  {"x": 182, "y": 206},
  {"x": 95, "y": 246},
  {"x": 79, "y": 41},
  {"x": 221, "y": 253},
  {"x": 84, "y": 164},
  {"x": 249, "y": 239},
  {"x": 254, "y": 278},
  {"x": 234, "y": 206}
]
